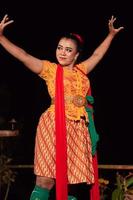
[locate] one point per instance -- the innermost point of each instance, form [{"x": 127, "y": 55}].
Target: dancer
[{"x": 63, "y": 147}]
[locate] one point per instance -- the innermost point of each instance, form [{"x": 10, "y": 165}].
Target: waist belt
[{"x": 77, "y": 100}]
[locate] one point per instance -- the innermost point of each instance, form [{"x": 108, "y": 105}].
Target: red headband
[{"x": 78, "y": 37}]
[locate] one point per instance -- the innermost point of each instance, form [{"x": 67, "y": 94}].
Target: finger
[
  {"x": 4, "y": 18},
  {"x": 7, "y": 18},
  {"x": 120, "y": 28},
  {"x": 112, "y": 19},
  {"x": 9, "y": 22},
  {"x": 110, "y": 23}
]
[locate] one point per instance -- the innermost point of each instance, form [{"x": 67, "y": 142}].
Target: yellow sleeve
[
  {"x": 48, "y": 68},
  {"x": 82, "y": 67}
]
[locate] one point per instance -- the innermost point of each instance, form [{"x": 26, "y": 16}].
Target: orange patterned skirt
[{"x": 79, "y": 157}]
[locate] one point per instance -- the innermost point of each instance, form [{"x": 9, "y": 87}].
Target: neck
[{"x": 71, "y": 66}]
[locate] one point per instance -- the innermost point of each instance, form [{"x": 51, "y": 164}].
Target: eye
[
  {"x": 69, "y": 50},
  {"x": 59, "y": 47}
]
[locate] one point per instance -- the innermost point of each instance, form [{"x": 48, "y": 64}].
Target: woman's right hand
[
  {"x": 33, "y": 63},
  {"x": 4, "y": 22}
]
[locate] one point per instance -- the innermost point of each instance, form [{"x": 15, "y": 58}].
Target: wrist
[
  {"x": 111, "y": 35},
  {"x": 1, "y": 38}
]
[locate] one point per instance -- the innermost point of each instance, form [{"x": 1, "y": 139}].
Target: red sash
[
  {"x": 61, "y": 142},
  {"x": 94, "y": 193}
]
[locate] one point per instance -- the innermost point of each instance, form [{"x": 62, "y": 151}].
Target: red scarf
[
  {"x": 94, "y": 193},
  {"x": 61, "y": 142}
]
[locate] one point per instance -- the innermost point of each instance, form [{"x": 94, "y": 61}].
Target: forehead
[{"x": 67, "y": 42}]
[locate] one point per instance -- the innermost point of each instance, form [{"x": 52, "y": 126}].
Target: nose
[{"x": 63, "y": 52}]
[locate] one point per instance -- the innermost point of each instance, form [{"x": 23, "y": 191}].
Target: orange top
[{"x": 75, "y": 83}]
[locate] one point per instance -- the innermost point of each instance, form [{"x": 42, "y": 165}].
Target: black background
[{"x": 23, "y": 95}]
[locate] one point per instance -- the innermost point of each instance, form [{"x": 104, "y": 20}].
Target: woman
[{"x": 63, "y": 149}]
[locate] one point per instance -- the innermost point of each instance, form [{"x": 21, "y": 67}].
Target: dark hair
[{"x": 76, "y": 38}]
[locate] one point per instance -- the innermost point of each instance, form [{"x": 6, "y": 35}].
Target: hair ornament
[{"x": 80, "y": 39}]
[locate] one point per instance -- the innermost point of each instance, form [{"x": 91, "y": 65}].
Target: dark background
[{"x": 23, "y": 95}]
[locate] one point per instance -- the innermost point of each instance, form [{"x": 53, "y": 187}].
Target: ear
[{"x": 76, "y": 56}]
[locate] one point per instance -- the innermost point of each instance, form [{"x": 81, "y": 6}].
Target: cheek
[
  {"x": 56, "y": 53},
  {"x": 71, "y": 56}
]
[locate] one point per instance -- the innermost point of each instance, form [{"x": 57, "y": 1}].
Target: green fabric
[
  {"x": 91, "y": 127},
  {"x": 39, "y": 193},
  {"x": 71, "y": 198},
  {"x": 43, "y": 194}
]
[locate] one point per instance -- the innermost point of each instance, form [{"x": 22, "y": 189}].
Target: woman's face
[{"x": 66, "y": 52}]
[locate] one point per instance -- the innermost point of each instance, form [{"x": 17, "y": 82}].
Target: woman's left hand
[{"x": 113, "y": 31}]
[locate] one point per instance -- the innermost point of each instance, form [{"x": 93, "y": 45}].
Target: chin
[{"x": 63, "y": 63}]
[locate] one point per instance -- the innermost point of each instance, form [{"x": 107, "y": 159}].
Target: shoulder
[
  {"x": 48, "y": 64},
  {"x": 48, "y": 67},
  {"x": 81, "y": 66}
]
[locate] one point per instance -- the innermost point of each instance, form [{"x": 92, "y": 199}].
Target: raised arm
[
  {"x": 34, "y": 64},
  {"x": 100, "y": 51}
]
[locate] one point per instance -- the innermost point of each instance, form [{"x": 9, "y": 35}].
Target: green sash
[{"x": 91, "y": 126}]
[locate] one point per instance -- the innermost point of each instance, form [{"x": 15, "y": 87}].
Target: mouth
[{"x": 62, "y": 58}]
